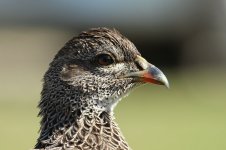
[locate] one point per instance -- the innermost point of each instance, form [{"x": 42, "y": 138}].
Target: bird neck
[{"x": 85, "y": 130}]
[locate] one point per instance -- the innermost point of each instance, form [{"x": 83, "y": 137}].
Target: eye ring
[{"x": 104, "y": 59}]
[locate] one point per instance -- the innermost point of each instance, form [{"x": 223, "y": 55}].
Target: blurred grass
[{"x": 191, "y": 115}]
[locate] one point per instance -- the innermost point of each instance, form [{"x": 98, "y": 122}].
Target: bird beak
[{"x": 149, "y": 74}]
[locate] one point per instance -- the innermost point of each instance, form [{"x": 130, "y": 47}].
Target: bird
[{"x": 84, "y": 83}]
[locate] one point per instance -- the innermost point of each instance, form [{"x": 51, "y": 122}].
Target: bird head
[{"x": 93, "y": 71}]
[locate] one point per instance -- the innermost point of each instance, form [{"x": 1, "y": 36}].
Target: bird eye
[{"x": 104, "y": 59}]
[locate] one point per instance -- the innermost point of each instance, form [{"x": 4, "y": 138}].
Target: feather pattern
[{"x": 97, "y": 133}]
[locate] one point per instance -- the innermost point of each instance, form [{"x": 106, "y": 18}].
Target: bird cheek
[{"x": 71, "y": 71}]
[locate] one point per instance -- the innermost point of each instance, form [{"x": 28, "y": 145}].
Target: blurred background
[{"x": 185, "y": 38}]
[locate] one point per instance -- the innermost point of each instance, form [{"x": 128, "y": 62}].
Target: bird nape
[{"x": 84, "y": 82}]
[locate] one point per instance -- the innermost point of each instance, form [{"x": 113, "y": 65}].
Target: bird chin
[{"x": 113, "y": 101}]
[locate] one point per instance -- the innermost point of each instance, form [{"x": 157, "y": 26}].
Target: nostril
[
  {"x": 141, "y": 63},
  {"x": 139, "y": 66}
]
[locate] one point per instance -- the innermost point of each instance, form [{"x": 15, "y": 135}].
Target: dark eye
[{"x": 104, "y": 59}]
